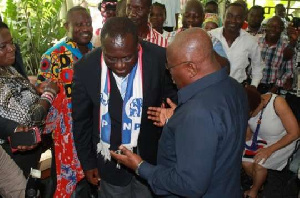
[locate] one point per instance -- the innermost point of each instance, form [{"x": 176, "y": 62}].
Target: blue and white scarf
[{"x": 132, "y": 108}]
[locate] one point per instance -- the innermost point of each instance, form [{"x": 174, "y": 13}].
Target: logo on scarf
[
  {"x": 104, "y": 101},
  {"x": 134, "y": 107}
]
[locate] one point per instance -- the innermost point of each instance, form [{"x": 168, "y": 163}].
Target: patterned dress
[{"x": 57, "y": 64}]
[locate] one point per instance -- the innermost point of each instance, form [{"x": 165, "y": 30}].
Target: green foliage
[{"x": 35, "y": 26}]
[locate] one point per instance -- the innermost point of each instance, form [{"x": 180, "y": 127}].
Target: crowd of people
[{"x": 145, "y": 107}]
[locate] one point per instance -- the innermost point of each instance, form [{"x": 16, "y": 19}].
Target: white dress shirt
[{"x": 243, "y": 48}]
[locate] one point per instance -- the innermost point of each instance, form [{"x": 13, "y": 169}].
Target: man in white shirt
[
  {"x": 173, "y": 10},
  {"x": 239, "y": 46}
]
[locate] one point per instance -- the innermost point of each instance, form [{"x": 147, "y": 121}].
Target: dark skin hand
[
  {"x": 24, "y": 148},
  {"x": 288, "y": 84},
  {"x": 127, "y": 158},
  {"x": 92, "y": 176},
  {"x": 160, "y": 114}
]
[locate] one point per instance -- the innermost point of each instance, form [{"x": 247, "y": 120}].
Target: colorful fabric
[
  {"x": 212, "y": 17},
  {"x": 132, "y": 108},
  {"x": 277, "y": 70},
  {"x": 57, "y": 64},
  {"x": 155, "y": 37}
]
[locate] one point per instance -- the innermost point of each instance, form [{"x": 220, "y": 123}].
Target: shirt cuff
[{"x": 146, "y": 170}]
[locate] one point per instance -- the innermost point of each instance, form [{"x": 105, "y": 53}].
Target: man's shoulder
[
  {"x": 89, "y": 60},
  {"x": 150, "y": 49}
]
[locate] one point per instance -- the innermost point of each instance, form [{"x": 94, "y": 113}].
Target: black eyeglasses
[{"x": 168, "y": 66}]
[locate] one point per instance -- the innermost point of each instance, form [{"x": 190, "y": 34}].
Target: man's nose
[{"x": 120, "y": 63}]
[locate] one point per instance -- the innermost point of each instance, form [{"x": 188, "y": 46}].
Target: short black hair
[
  {"x": 237, "y": 5},
  {"x": 74, "y": 9},
  {"x": 3, "y": 25},
  {"x": 119, "y": 26},
  {"x": 162, "y": 6},
  {"x": 279, "y": 5},
  {"x": 109, "y": 7},
  {"x": 257, "y": 7},
  {"x": 149, "y": 2},
  {"x": 212, "y": 3}
]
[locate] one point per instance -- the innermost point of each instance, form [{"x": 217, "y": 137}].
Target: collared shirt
[
  {"x": 155, "y": 37},
  {"x": 201, "y": 156},
  {"x": 121, "y": 84},
  {"x": 260, "y": 31},
  {"x": 217, "y": 45},
  {"x": 276, "y": 70},
  {"x": 242, "y": 49}
]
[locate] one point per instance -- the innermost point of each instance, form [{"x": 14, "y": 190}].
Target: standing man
[
  {"x": 173, "y": 10},
  {"x": 239, "y": 45},
  {"x": 110, "y": 106},
  {"x": 255, "y": 18},
  {"x": 201, "y": 156},
  {"x": 138, "y": 11},
  {"x": 57, "y": 64},
  {"x": 278, "y": 72}
]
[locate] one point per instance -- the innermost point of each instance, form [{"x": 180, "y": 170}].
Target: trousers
[{"x": 12, "y": 180}]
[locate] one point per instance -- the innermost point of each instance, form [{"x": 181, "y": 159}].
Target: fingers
[
  {"x": 21, "y": 128},
  {"x": 92, "y": 176},
  {"x": 171, "y": 103},
  {"x": 159, "y": 124}
]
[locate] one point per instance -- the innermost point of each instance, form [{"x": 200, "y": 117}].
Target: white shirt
[
  {"x": 172, "y": 7},
  {"x": 244, "y": 47},
  {"x": 121, "y": 84}
]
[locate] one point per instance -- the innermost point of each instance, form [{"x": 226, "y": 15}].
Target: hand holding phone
[{"x": 23, "y": 138}]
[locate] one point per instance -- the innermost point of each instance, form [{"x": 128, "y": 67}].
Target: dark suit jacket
[{"x": 157, "y": 85}]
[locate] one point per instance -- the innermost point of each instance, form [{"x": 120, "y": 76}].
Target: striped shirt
[
  {"x": 276, "y": 70},
  {"x": 155, "y": 37}
]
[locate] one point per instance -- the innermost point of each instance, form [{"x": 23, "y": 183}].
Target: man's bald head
[
  {"x": 190, "y": 56},
  {"x": 193, "y": 44}
]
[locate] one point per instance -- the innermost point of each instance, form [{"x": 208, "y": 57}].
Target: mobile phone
[
  {"x": 25, "y": 138},
  {"x": 296, "y": 22}
]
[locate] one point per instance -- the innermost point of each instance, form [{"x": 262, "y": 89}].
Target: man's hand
[
  {"x": 288, "y": 84},
  {"x": 21, "y": 148},
  {"x": 160, "y": 114},
  {"x": 274, "y": 89},
  {"x": 127, "y": 158},
  {"x": 92, "y": 176}
]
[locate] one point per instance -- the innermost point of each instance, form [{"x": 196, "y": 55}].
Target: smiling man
[
  {"x": 239, "y": 45},
  {"x": 57, "y": 64},
  {"x": 278, "y": 72},
  {"x": 110, "y": 106}
]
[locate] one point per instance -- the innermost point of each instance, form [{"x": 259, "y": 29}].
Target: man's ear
[
  {"x": 192, "y": 70},
  {"x": 66, "y": 25}
]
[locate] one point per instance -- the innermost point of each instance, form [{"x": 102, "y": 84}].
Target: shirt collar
[{"x": 187, "y": 92}]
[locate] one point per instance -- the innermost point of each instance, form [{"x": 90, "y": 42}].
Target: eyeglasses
[{"x": 168, "y": 66}]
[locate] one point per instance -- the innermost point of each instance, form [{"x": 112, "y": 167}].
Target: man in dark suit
[{"x": 120, "y": 59}]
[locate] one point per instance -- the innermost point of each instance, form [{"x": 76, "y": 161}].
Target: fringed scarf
[{"x": 132, "y": 108}]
